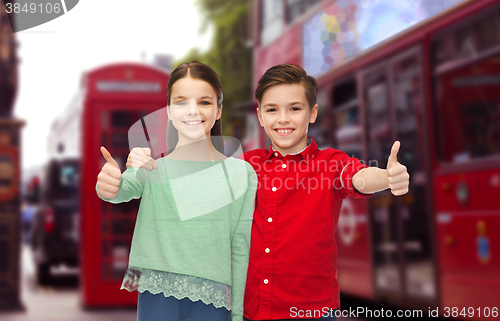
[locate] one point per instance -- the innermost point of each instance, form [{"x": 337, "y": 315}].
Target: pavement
[{"x": 57, "y": 302}]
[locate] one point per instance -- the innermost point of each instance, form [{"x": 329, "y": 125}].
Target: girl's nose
[{"x": 192, "y": 109}]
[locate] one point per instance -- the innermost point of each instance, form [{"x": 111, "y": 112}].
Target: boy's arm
[{"x": 372, "y": 179}]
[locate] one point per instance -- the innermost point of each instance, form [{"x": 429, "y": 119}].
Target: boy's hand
[
  {"x": 140, "y": 157},
  {"x": 109, "y": 178},
  {"x": 397, "y": 175}
]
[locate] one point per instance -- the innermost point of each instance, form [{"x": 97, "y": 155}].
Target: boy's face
[{"x": 285, "y": 115}]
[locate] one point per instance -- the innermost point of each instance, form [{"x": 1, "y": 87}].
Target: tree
[{"x": 229, "y": 54}]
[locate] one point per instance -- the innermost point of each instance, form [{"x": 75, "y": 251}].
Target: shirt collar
[{"x": 307, "y": 153}]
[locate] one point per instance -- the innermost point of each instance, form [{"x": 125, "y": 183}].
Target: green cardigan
[{"x": 194, "y": 218}]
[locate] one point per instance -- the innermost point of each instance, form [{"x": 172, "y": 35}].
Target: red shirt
[{"x": 293, "y": 252}]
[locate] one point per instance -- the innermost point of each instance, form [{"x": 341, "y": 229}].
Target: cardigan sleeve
[
  {"x": 131, "y": 186},
  {"x": 240, "y": 246}
]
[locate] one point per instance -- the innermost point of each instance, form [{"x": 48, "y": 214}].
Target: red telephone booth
[{"x": 117, "y": 99}]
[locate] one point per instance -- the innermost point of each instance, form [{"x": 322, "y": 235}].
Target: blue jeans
[
  {"x": 330, "y": 316},
  {"x": 156, "y": 307}
]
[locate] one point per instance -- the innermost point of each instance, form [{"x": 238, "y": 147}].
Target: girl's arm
[
  {"x": 240, "y": 246},
  {"x": 131, "y": 186}
]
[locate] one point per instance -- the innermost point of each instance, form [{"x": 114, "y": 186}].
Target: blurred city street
[
  {"x": 424, "y": 73},
  {"x": 59, "y": 301}
]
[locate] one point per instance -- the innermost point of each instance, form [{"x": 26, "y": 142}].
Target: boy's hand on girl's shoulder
[
  {"x": 397, "y": 174},
  {"x": 141, "y": 157}
]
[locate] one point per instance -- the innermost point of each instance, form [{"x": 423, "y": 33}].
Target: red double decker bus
[{"x": 426, "y": 73}]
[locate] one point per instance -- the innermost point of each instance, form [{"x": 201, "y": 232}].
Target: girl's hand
[
  {"x": 140, "y": 157},
  {"x": 397, "y": 175},
  {"x": 109, "y": 178}
]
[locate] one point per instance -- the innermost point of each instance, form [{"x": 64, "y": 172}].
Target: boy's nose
[{"x": 283, "y": 118}]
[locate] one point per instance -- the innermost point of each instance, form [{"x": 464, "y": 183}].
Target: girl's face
[{"x": 193, "y": 109}]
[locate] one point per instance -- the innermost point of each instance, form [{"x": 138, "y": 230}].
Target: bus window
[
  {"x": 296, "y": 8},
  {"x": 378, "y": 128},
  {"x": 467, "y": 99},
  {"x": 271, "y": 20},
  {"x": 487, "y": 32},
  {"x": 69, "y": 177},
  {"x": 481, "y": 122},
  {"x": 467, "y": 41},
  {"x": 320, "y": 130},
  {"x": 346, "y": 114},
  {"x": 407, "y": 102},
  {"x": 62, "y": 180}
]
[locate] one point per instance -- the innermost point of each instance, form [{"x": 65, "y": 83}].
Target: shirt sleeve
[
  {"x": 349, "y": 166},
  {"x": 240, "y": 246},
  {"x": 131, "y": 186}
]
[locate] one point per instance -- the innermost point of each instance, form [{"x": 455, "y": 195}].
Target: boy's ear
[
  {"x": 261, "y": 121},
  {"x": 314, "y": 114}
]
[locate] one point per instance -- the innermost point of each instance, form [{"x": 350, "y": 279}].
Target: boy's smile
[{"x": 285, "y": 115}]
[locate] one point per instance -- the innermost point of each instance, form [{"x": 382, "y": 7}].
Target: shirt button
[
  {"x": 268, "y": 250},
  {"x": 284, "y": 165},
  {"x": 276, "y": 154},
  {"x": 270, "y": 219},
  {"x": 274, "y": 189},
  {"x": 266, "y": 281}
]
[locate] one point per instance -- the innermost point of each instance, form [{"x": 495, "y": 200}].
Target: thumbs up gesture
[
  {"x": 109, "y": 178},
  {"x": 141, "y": 157},
  {"x": 397, "y": 175}
]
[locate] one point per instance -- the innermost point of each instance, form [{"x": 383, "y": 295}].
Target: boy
[{"x": 292, "y": 271}]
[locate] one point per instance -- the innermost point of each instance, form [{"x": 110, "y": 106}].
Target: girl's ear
[
  {"x": 168, "y": 112},
  {"x": 219, "y": 113}
]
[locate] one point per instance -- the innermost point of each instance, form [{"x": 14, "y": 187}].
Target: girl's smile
[{"x": 193, "y": 109}]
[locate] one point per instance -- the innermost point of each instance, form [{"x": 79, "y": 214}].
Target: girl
[{"x": 190, "y": 248}]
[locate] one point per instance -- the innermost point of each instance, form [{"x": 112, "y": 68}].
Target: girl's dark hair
[{"x": 203, "y": 72}]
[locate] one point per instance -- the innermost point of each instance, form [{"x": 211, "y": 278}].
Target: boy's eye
[
  {"x": 295, "y": 108},
  {"x": 206, "y": 103},
  {"x": 180, "y": 103},
  {"x": 270, "y": 110}
]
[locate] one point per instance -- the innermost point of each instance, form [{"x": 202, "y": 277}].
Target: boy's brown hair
[{"x": 287, "y": 74}]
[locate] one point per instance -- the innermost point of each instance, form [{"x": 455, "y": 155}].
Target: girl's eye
[
  {"x": 270, "y": 110},
  {"x": 206, "y": 103},
  {"x": 180, "y": 103},
  {"x": 295, "y": 108}
]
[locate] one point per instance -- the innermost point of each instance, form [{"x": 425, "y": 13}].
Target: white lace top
[{"x": 179, "y": 286}]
